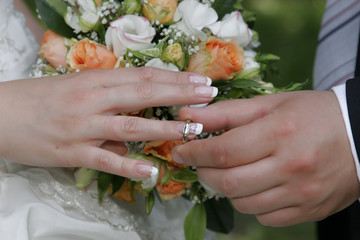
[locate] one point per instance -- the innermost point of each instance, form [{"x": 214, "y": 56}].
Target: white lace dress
[{"x": 42, "y": 203}]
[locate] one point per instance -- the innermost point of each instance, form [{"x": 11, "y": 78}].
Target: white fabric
[
  {"x": 17, "y": 45},
  {"x": 43, "y": 203},
  {"x": 340, "y": 92}
]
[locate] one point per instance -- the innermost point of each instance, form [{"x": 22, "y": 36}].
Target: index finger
[
  {"x": 232, "y": 113},
  {"x": 116, "y": 77}
]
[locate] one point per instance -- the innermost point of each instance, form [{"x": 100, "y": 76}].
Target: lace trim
[{"x": 58, "y": 185}]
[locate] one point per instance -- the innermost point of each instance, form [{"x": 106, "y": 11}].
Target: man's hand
[{"x": 286, "y": 158}]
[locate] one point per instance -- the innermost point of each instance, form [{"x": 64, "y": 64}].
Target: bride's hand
[
  {"x": 286, "y": 159},
  {"x": 65, "y": 120}
]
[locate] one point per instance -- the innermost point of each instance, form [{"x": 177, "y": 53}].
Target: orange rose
[
  {"x": 53, "y": 49},
  {"x": 218, "y": 59},
  {"x": 162, "y": 149},
  {"x": 124, "y": 193},
  {"x": 160, "y": 10},
  {"x": 173, "y": 188},
  {"x": 87, "y": 54}
]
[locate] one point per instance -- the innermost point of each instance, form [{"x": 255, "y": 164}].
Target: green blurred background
[{"x": 289, "y": 29}]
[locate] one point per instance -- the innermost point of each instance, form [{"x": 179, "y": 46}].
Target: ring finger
[{"x": 123, "y": 128}]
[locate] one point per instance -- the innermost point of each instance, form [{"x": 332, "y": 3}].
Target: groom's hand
[{"x": 286, "y": 158}]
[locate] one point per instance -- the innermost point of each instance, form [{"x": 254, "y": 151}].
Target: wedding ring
[{"x": 186, "y": 131}]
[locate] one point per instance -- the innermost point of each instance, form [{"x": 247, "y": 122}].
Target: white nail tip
[
  {"x": 154, "y": 171},
  {"x": 198, "y": 105},
  {"x": 209, "y": 81},
  {"x": 215, "y": 92}
]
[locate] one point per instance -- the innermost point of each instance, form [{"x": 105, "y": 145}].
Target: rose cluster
[{"x": 169, "y": 34}]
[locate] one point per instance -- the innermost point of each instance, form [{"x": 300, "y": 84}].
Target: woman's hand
[{"x": 66, "y": 120}]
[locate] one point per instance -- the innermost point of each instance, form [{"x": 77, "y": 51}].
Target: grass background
[{"x": 289, "y": 29}]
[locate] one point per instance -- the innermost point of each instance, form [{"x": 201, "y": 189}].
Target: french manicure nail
[
  {"x": 146, "y": 170},
  {"x": 199, "y": 105},
  {"x": 206, "y": 91},
  {"x": 194, "y": 128},
  {"x": 201, "y": 80}
]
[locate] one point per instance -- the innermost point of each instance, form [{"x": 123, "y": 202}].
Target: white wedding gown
[{"x": 42, "y": 203}]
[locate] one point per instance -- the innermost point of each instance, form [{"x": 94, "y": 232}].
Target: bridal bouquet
[{"x": 208, "y": 37}]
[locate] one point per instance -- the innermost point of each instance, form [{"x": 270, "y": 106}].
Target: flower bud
[
  {"x": 160, "y": 10},
  {"x": 174, "y": 54},
  {"x": 84, "y": 176},
  {"x": 132, "y": 6}
]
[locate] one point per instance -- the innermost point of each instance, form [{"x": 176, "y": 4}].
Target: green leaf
[
  {"x": 150, "y": 200},
  {"x": 52, "y": 13},
  {"x": 100, "y": 29},
  {"x": 249, "y": 74},
  {"x": 185, "y": 176},
  {"x": 266, "y": 57},
  {"x": 166, "y": 178},
  {"x": 104, "y": 181},
  {"x": 195, "y": 223},
  {"x": 245, "y": 83},
  {"x": 223, "y": 7},
  {"x": 117, "y": 182},
  {"x": 147, "y": 53},
  {"x": 219, "y": 215}
]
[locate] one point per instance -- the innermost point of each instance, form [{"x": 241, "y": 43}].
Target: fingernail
[
  {"x": 198, "y": 105},
  {"x": 176, "y": 157},
  {"x": 146, "y": 170},
  {"x": 205, "y": 91},
  {"x": 198, "y": 79},
  {"x": 194, "y": 128}
]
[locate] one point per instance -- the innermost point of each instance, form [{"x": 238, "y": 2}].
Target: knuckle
[
  {"x": 309, "y": 191},
  {"x": 144, "y": 90},
  {"x": 103, "y": 162},
  {"x": 219, "y": 154},
  {"x": 186, "y": 90},
  {"x": 179, "y": 78},
  {"x": 146, "y": 74},
  {"x": 121, "y": 167},
  {"x": 131, "y": 125},
  {"x": 110, "y": 128},
  {"x": 287, "y": 127},
  {"x": 228, "y": 185},
  {"x": 303, "y": 163}
]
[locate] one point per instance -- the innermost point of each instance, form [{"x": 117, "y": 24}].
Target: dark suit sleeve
[{"x": 353, "y": 104}]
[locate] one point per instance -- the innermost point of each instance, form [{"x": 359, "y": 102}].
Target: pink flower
[
  {"x": 129, "y": 32},
  {"x": 53, "y": 49}
]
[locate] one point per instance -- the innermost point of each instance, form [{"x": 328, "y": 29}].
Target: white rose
[
  {"x": 82, "y": 15},
  {"x": 232, "y": 27},
  {"x": 157, "y": 63},
  {"x": 250, "y": 60},
  {"x": 194, "y": 17},
  {"x": 129, "y": 32}
]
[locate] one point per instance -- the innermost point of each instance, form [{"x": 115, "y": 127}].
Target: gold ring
[{"x": 186, "y": 131}]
